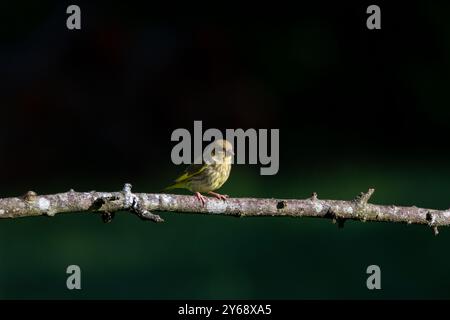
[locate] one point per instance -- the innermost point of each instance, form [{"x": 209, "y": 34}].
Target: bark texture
[{"x": 145, "y": 204}]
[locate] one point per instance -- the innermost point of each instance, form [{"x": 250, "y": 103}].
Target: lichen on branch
[{"x": 144, "y": 205}]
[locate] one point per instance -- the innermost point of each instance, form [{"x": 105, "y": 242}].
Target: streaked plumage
[{"x": 205, "y": 178}]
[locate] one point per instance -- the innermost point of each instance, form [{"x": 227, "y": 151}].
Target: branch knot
[
  {"x": 129, "y": 197},
  {"x": 132, "y": 203}
]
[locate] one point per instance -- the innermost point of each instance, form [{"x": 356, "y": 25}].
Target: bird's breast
[{"x": 214, "y": 176}]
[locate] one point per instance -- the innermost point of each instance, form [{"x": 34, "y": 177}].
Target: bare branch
[{"x": 145, "y": 204}]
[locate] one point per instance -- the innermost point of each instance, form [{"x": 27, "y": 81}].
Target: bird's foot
[
  {"x": 201, "y": 198},
  {"x": 219, "y": 196}
]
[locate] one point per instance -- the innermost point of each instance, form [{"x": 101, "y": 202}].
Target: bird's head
[{"x": 222, "y": 151}]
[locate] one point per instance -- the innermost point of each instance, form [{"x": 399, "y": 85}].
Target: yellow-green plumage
[
  {"x": 207, "y": 177},
  {"x": 204, "y": 179}
]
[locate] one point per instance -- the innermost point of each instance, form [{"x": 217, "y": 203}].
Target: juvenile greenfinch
[{"x": 207, "y": 177}]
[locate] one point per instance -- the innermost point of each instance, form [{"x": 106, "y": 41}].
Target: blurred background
[{"x": 95, "y": 108}]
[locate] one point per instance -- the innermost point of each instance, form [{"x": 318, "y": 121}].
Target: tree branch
[{"x": 142, "y": 205}]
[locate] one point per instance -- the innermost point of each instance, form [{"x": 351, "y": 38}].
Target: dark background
[{"x": 95, "y": 108}]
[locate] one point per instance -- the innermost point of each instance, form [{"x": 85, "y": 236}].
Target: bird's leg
[
  {"x": 201, "y": 198},
  {"x": 219, "y": 196}
]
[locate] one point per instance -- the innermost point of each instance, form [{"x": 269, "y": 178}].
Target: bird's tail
[{"x": 176, "y": 185}]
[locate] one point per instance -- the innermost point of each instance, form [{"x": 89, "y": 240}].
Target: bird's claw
[
  {"x": 219, "y": 196},
  {"x": 201, "y": 198}
]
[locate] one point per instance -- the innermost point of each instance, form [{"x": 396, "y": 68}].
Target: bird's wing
[{"x": 192, "y": 170}]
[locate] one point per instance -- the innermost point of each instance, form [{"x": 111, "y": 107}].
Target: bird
[{"x": 207, "y": 177}]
